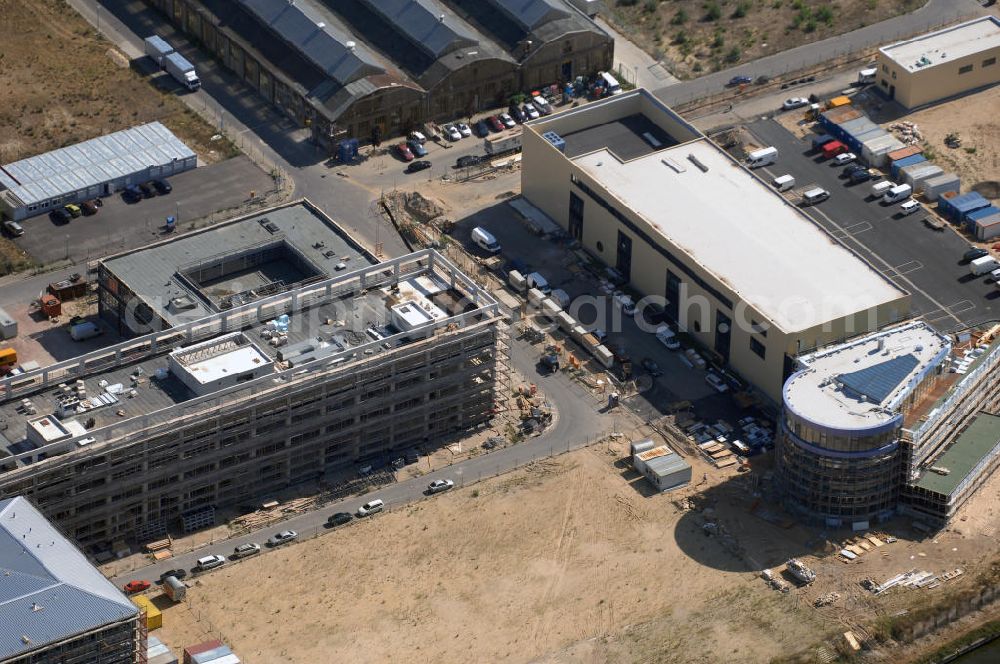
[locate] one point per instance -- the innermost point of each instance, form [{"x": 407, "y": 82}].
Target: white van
[
  {"x": 867, "y": 75},
  {"x": 485, "y": 240},
  {"x": 909, "y": 207},
  {"x": 762, "y": 157},
  {"x": 535, "y": 280},
  {"x": 879, "y": 189},
  {"x": 983, "y": 265},
  {"x": 783, "y": 182},
  {"x": 371, "y": 507},
  {"x": 814, "y": 196},
  {"x": 898, "y": 193},
  {"x": 610, "y": 83},
  {"x": 667, "y": 337}
]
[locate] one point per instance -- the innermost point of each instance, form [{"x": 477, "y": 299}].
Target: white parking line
[
  {"x": 962, "y": 306},
  {"x": 904, "y": 268}
]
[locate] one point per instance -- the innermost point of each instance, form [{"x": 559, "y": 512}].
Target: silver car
[{"x": 283, "y": 537}]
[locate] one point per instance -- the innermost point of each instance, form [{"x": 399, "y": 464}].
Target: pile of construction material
[
  {"x": 908, "y": 132},
  {"x": 912, "y": 579},
  {"x": 800, "y": 571}
]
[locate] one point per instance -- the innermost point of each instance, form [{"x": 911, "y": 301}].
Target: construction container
[
  {"x": 987, "y": 228},
  {"x": 69, "y": 289},
  {"x": 640, "y": 446},
  {"x": 876, "y": 150},
  {"x": 164, "y": 658},
  {"x": 205, "y": 646},
  {"x": 604, "y": 356},
  {"x": 982, "y": 213},
  {"x": 154, "y": 619},
  {"x": 917, "y": 174},
  {"x": 935, "y": 186},
  {"x": 857, "y": 126},
  {"x": 8, "y": 326},
  {"x": 213, "y": 655},
  {"x": 856, "y": 141},
  {"x": 225, "y": 659},
  {"x": 955, "y": 208},
  {"x": 837, "y": 102},
  {"x": 831, "y": 119},
  {"x": 535, "y": 297},
  {"x": 174, "y": 588},
  {"x": 565, "y": 322},
  {"x": 903, "y": 163},
  {"x": 51, "y": 306},
  {"x": 905, "y": 152}
]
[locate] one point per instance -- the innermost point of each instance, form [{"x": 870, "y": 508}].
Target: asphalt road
[
  {"x": 932, "y": 15},
  {"x": 578, "y": 424},
  {"x": 923, "y": 262},
  {"x": 118, "y": 225}
]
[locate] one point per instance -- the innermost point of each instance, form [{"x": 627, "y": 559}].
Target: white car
[
  {"x": 506, "y": 120},
  {"x": 244, "y": 550},
  {"x": 417, "y": 136},
  {"x": 795, "y": 102},
  {"x": 717, "y": 383},
  {"x": 844, "y": 158},
  {"x": 909, "y": 207},
  {"x": 464, "y": 129},
  {"x": 530, "y": 112},
  {"x": 437, "y": 486},
  {"x": 283, "y": 537},
  {"x": 452, "y": 132},
  {"x": 210, "y": 562},
  {"x": 371, "y": 507}
]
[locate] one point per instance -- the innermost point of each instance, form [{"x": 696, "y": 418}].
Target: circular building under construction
[{"x": 840, "y": 460}]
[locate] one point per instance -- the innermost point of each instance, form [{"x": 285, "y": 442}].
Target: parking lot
[
  {"x": 922, "y": 261},
  {"x": 118, "y": 225}
]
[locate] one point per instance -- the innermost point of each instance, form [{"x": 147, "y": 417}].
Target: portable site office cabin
[
  {"x": 917, "y": 174},
  {"x": 935, "y": 186},
  {"x": 988, "y": 228},
  {"x": 876, "y": 150}
]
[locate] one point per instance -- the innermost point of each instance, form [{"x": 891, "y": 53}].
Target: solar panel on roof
[
  {"x": 878, "y": 381},
  {"x": 531, "y": 13},
  {"x": 424, "y": 24}
]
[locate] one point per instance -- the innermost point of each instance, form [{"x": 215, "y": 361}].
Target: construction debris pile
[
  {"x": 800, "y": 571},
  {"x": 906, "y": 131},
  {"x": 912, "y": 579},
  {"x": 858, "y": 546}
]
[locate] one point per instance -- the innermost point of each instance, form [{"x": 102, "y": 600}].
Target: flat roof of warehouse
[
  {"x": 102, "y": 159},
  {"x": 859, "y": 384},
  {"x": 947, "y": 45},
  {"x": 975, "y": 442},
  {"x": 744, "y": 233}
]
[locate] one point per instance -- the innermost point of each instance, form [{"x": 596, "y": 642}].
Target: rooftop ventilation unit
[{"x": 697, "y": 162}]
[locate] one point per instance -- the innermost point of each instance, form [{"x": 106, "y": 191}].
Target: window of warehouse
[
  {"x": 965, "y": 70},
  {"x": 757, "y": 347}
]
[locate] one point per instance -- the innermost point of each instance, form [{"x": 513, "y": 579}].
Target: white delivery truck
[
  {"x": 866, "y": 76},
  {"x": 84, "y": 330},
  {"x": 783, "y": 182},
  {"x": 182, "y": 71},
  {"x": 485, "y": 240},
  {"x": 610, "y": 83},
  {"x": 158, "y": 49},
  {"x": 816, "y": 195},
  {"x": 898, "y": 193},
  {"x": 505, "y": 141},
  {"x": 879, "y": 188},
  {"x": 762, "y": 157},
  {"x": 983, "y": 265}
]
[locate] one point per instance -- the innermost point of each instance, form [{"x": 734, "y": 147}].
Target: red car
[
  {"x": 404, "y": 152},
  {"x": 135, "y": 587},
  {"x": 495, "y": 123}
]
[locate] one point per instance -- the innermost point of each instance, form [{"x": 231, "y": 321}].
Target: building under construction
[
  {"x": 248, "y": 395},
  {"x": 896, "y": 421},
  {"x": 54, "y": 605}
]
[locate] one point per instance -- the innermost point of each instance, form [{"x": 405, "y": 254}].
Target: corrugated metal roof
[
  {"x": 529, "y": 14},
  {"x": 425, "y": 24},
  {"x": 67, "y": 170},
  {"x": 48, "y": 589},
  {"x": 320, "y": 43}
]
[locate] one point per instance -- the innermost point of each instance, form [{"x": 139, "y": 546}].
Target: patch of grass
[
  {"x": 680, "y": 18},
  {"x": 741, "y": 10},
  {"x": 713, "y": 12}
]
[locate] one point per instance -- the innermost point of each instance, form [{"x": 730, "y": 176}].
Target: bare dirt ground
[
  {"x": 570, "y": 560},
  {"x": 62, "y": 83},
  {"x": 691, "y": 36}
]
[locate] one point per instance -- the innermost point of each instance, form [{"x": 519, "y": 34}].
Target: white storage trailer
[
  {"x": 505, "y": 141},
  {"x": 158, "y": 49},
  {"x": 182, "y": 71},
  {"x": 983, "y": 265}
]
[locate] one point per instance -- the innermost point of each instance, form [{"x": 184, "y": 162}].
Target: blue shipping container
[
  {"x": 956, "y": 208},
  {"x": 981, "y": 213},
  {"x": 906, "y": 161}
]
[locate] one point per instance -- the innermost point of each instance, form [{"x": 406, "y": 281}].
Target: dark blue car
[
  {"x": 740, "y": 80},
  {"x": 417, "y": 149},
  {"x": 482, "y": 129}
]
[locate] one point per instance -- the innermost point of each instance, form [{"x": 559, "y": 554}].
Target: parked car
[
  {"x": 530, "y": 112},
  {"x": 482, "y": 129},
  {"x": 794, "y": 102},
  {"x": 13, "y": 229},
  {"x": 146, "y": 189},
  {"x": 246, "y": 550},
  {"x": 74, "y": 210},
  {"x": 210, "y": 562},
  {"x": 416, "y": 136},
  {"x": 974, "y": 253},
  {"x": 516, "y": 113},
  {"x": 717, "y": 383},
  {"x": 451, "y": 131},
  {"x": 89, "y": 207},
  {"x": 909, "y": 207},
  {"x": 466, "y": 161},
  {"x": 162, "y": 186},
  {"x": 740, "y": 80},
  {"x": 417, "y": 148},
  {"x": 494, "y": 123},
  {"x": 60, "y": 216},
  {"x": 136, "y": 586},
  {"x": 437, "y": 486},
  {"x": 542, "y": 104},
  {"x": 463, "y": 129},
  {"x": 651, "y": 367},
  {"x": 404, "y": 152},
  {"x": 176, "y": 573},
  {"x": 284, "y": 537},
  {"x": 506, "y": 120},
  {"x": 416, "y": 166},
  {"x": 625, "y": 303},
  {"x": 339, "y": 519},
  {"x": 371, "y": 507},
  {"x": 132, "y": 194},
  {"x": 844, "y": 158}
]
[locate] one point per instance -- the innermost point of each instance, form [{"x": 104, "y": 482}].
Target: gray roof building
[{"x": 49, "y": 592}]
